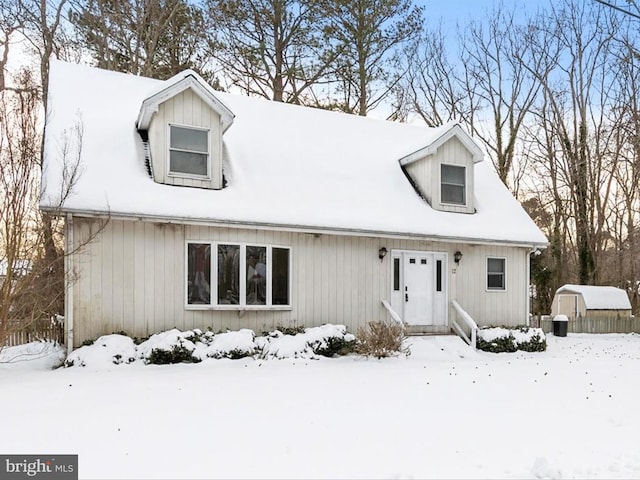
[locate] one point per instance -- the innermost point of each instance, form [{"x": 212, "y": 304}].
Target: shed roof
[
  {"x": 599, "y": 297},
  {"x": 286, "y": 166}
]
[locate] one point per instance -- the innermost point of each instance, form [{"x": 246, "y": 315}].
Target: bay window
[{"x": 238, "y": 275}]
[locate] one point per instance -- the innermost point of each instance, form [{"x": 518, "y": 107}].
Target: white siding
[
  {"x": 186, "y": 109},
  {"x": 131, "y": 277},
  {"x": 426, "y": 174}
]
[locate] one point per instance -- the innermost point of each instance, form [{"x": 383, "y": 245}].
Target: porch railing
[
  {"x": 464, "y": 325},
  {"x": 394, "y": 315}
]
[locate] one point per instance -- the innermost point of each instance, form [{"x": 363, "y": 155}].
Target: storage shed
[{"x": 590, "y": 301}]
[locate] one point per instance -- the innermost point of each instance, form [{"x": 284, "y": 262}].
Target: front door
[{"x": 419, "y": 287}]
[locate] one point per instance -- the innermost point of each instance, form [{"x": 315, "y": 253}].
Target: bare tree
[
  {"x": 33, "y": 285},
  {"x": 153, "y": 38},
  {"x": 625, "y": 120},
  {"x": 11, "y": 21},
  {"x": 498, "y": 62},
  {"x": 271, "y": 48},
  {"x": 370, "y": 33},
  {"x": 430, "y": 88},
  {"x": 577, "y": 93},
  {"x": 43, "y": 24}
]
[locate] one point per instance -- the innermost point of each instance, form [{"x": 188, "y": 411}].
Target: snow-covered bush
[
  {"x": 293, "y": 330},
  {"x": 172, "y": 346},
  {"x": 504, "y": 339},
  {"x": 106, "y": 350},
  {"x": 382, "y": 339},
  {"x": 232, "y": 345},
  {"x": 46, "y": 354},
  {"x": 192, "y": 346},
  {"x": 278, "y": 345},
  {"x": 330, "y": 340},
  {"x": 327, "y": 340}
]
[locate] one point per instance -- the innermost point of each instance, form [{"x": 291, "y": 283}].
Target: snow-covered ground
[{"x": 443, "y": 412}]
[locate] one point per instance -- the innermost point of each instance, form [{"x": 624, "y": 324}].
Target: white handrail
[
  {"x": 470, "y": 322},
  {"x": 392, "y": 312}
]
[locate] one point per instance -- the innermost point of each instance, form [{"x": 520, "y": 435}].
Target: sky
[{"x": 452, "y": 11}]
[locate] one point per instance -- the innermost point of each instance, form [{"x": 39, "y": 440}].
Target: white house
[{"x": 230, "y": 212}]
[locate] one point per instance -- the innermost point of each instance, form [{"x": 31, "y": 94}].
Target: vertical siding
[
  {"x": 426, "y": 173},
  {"x": 492, "y": 307},
  {"x": 131, "y": 277},
  {"x": 188, "y": 109}
]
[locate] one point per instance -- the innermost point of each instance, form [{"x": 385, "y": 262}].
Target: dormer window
[
  {"x": 188, "y": 151},
  {"x": 453, "y": 184}
]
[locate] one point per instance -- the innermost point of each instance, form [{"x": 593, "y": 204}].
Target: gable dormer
[
  {"x": 442, "y": 171},
  {"x": 183, "y": 124}
]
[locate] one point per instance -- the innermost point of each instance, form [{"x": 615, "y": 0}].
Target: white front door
[{"x": 419, "y": 287}]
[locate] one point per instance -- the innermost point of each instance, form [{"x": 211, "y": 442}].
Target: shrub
[
  {"x": 296, "y": 329},
  {"x": 333, "y": 346},
  {"x": 381, "y": 339},
  {"x": 237, "y": 354},
  {"x": 329, "y": 340},
  {"x": 536, "y": 344},
  {"x": 177, "y": 354},
  {"x": 497, "y": 345},
  {"x": 195, "y": 335},
  {"x": 233, "y": 345},
  {"x": 511, "y": 339},
  {"x": 139, "y": 340}
]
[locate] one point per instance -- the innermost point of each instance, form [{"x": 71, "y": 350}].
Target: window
[
  {"x": 452, "y": 184},
  {"x": 247, "y": 275},
  {"x": 228, "y": 274},
  {"x": 396, "y": 274},
  {"x": 256, "y": 276},
  {"x": 438, "y": 275},
  {"x": 495, "y": 273},
  {"x": 198, "y": 274},
  {"x": 188, "y": 151},
  {"x": 280, "y": 274}
]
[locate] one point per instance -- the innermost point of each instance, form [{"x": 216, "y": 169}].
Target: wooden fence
[
  {"x": 40, "y": 330},
  {"x": 591, "y": 324}
]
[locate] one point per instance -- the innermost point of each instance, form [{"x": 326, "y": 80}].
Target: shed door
[{"x": 568, "y": 305}]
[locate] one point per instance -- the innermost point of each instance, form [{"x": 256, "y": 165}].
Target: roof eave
[
  {"x": 151, "y": 104},
  {"x": 296, "y": 228},
  {"x": 455, "y": 131}
]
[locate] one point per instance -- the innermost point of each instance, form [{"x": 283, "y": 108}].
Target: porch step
[{"x": 428, "y": 330}]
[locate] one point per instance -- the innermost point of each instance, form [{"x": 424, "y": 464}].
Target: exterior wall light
[
  {"x": 382, "y": 253},
  {"x": 457, "y": 256}
]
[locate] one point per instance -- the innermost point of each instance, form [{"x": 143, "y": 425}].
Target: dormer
[
  {"x": 182, "y": 124},
  {"x": 442, "y": 171}
]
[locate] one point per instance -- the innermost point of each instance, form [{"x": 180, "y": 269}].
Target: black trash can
[{"x": 560, "y": 323}]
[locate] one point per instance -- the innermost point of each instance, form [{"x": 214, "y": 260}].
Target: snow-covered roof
[
  {"x": 437, "y": 141},
  {"x": 599, "y": 297},
  {"x": 286, "y": 166},
  {"x": 179, "y": 83}
]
